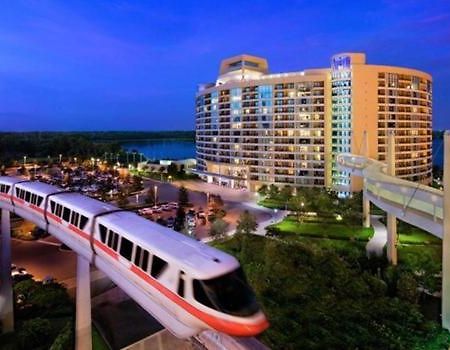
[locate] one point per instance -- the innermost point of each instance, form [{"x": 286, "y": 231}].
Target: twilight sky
[{"x": 135, "y": 65}]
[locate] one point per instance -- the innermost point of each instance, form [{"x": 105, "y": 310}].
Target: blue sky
[{"x": 135, "y": 65}]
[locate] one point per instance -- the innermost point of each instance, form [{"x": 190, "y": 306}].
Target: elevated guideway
[{"x": 414, "y": 203}]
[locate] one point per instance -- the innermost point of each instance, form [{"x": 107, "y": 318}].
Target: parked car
[
  {"x": 161, "y": 221},
  {"x": 191, "y": 221},
  {"x": 166, "y": 207},
  {"x": 170, "y": 222}
]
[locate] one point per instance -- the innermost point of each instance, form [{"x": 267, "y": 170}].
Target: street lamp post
[
  {"x": 24, "y": 160},
  {"x": 60, "y": 157},
  {"x": 156, "y": 192}
]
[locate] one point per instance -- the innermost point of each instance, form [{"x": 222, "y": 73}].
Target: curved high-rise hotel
[{"x": 255, "y": 128}]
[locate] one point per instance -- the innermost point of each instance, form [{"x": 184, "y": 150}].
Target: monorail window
[
  {"x": 33, "y": 198},
  {"x": 74, "y": 219},
  {"x": 52, "y": 207},
  {"x": 39, "y": 200},
  {"x": 110, "y": 239},
  {"x": 4, "y": 188},
  {"x": 229, "y": 293},
  {"x": 113, "y": 240},
  {"x": 103, "y": 231},
  {"x": 200, "y": 295},
  {"x": 66, "y": 214},
  {"x": 83, "y": 221},
  {"x": 137, "y": 256},
  {"x": 141, "y": 258},
  {"x": 144, "y": 263},
  {"x": 58, "y": 210},
  {"x": 18, "y": 192},
  {"x": 181, "y": 285},
  {"x": 158, "y": 266},
  {"x": 126, "y": 248},
  {"x": 28, "y": 196}
]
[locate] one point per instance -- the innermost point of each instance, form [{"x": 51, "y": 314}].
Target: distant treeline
[
  {"x": 139, "y": 135},
  {"x": 438, "y": 134},
  {"x": 15, "y": 145}
]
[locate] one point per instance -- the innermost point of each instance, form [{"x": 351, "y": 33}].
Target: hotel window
[{"x": 393, "y": 80}]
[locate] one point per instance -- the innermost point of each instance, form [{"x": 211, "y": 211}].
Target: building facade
[{"x": 255, "y": 128}]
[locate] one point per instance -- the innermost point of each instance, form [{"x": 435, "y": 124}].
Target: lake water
[
  {"x": 162, "y": 149},
  {"x": 182, "y": 149}
]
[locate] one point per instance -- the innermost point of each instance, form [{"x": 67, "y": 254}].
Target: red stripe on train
[
  {"x": 54, "y": 217},
  {"x": 230, "y": 327}
]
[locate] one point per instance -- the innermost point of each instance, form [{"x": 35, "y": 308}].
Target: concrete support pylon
[
  {"x": 83, "y": 331},
  {"x": 446, "y": 236},
  {"x": 366, "y": 211},
  {"x": 391, "y": 219},
  {"x": 366, "y": 202},
  {"x": 6, "y": 294}
]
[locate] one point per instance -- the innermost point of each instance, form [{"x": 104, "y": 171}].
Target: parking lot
[{"x": 195, "y": 223}]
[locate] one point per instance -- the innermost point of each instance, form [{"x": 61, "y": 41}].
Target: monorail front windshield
[{"x": 229, "y": 293}]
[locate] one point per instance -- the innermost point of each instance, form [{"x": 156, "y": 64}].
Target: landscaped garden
[
  {"x": 319, "y": 227},
  {"x": 44, "y": 318},
  {"x": 321, "y": 296}
]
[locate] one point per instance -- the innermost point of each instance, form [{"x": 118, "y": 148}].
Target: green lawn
[
  {"x": 418, "y": 236},
  {"x": 291, "y": 226},
  {"x": 409, "y": 234},
  {"x": 272, "y": 203}
]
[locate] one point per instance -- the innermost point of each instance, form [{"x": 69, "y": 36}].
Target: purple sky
[{"x": 135, "y": 65}]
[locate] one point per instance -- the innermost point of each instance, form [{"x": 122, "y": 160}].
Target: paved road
[
  {"x": 44, "y": 258},
  {"x": 378, "y": 241}
]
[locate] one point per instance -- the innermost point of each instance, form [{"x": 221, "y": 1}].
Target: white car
[
  {"x": 166, "y": 207},
  {"x": 191, "y": 221}
]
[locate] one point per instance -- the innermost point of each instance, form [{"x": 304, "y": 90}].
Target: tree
[
  {"x": 263, "y": 190},
  {"x": 180, "y": 216},
  {"x": 407, "y": 287},
  {"x": 152, "y": 197},
  {"x": 218, "y": 228},
  {"x": 216, "y": 202},
  {"x": 172, "y": 169},
  {"x": 136, "y": 183},
  {"x": 286, "y": 192},
  {"x": 183, "y": 196},
  {"x": 35, "y": 333},
  {"x": 246, "y": 224},
  {"x": 122, "y": 199},
  {"x": 297, "y": 204},
  {"x": 273, "y": 191}
]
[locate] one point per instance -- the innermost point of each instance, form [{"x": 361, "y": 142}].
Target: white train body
[{"x": 185, "y": 284}]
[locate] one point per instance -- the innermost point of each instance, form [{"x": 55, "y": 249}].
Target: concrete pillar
[
  {"x": 366, "y": 202},
  {"x": 366, "y": 211},
  {"x": 6, "y": 294},
  {"x": 446, "y": 236},
  {"x": 391, "y": 219},
  {"x": 83, "y": 335}
]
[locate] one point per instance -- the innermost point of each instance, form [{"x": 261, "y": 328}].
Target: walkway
[{"x": 376, "y": 244}]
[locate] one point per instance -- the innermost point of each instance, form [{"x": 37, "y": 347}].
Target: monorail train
[{"x": 186, "y": 285}]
